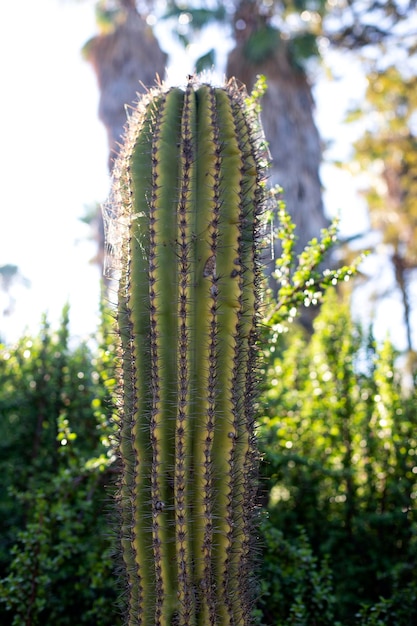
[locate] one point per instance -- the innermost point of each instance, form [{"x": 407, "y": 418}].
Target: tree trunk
[
  {"x": 131, "y": 54},
  {"x": 287, "y": 116},
  {"x": 125, "y": 61}
]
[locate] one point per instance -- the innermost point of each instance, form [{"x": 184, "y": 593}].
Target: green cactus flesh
[{"x": 189, "y": 186}]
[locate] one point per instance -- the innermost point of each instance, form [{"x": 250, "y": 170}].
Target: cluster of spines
[
  {"x": 191, "y": 187},
  {"x": 183, "y": 502},
  {"x": 252, "y": 197},
  {"x": 208, "y": 611}
]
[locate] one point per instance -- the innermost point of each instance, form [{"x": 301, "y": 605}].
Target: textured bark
[
  {"x": 125, "y": 61},
  {"x": 287, "y": 116}
]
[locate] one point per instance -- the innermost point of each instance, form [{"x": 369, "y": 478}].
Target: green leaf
[{"x": 206, "y": 61}]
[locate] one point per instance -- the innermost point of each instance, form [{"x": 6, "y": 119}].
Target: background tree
[
  {"x": 283, "y": 40},
  {"x": 287, "y": 112},
  {"x": 288, "y": 116},
  {"x": 387, "y": 154},
  {"x": 126, "y": 58}
]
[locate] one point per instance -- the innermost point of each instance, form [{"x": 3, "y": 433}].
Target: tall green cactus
[{"x": 189, "y": 188}]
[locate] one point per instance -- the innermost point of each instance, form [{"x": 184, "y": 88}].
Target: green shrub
[
  {"x": 339, "y": 441},
  {"x": 338, "y": 437},
  {"x": 296, "y": 589},
  {"x": 57, "y": 464}
]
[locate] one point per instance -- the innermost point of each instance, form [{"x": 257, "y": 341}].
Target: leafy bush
[
  {"x": 399, "y": 610},
  {"x": 338, "y": 436},
  {"x": 339, "y": 442},
  {"x": 296, "y": 589},
  {"x": 57, "y": 463}
]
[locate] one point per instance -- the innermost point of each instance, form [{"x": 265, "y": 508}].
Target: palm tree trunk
[
  {"x": 288, "y": 121},
  {"x": 126, "y": 61}
]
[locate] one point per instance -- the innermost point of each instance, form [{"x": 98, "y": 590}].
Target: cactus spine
[{"x": 189, "y": 188}]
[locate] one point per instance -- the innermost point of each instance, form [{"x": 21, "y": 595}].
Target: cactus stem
[{"x": 189, "y": 182}]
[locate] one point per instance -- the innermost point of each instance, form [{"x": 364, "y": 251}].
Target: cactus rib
[{"x": 189, "y": 185}]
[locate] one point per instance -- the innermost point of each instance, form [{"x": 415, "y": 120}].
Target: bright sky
[{"x": 54, "y": 160}]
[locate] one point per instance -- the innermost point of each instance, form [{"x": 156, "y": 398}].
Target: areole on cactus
[{"x": 189, "y": 189}]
